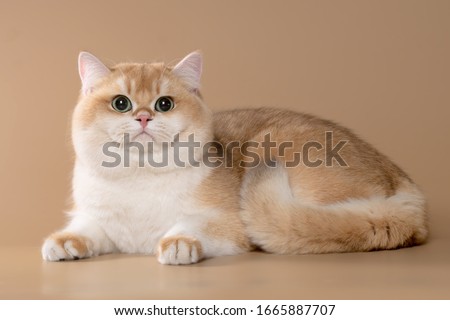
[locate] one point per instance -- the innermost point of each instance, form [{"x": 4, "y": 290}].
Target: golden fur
[{"x": 299, "y": 217}]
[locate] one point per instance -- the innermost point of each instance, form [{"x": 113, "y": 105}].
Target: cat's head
[{"x": 152, "y": 105}]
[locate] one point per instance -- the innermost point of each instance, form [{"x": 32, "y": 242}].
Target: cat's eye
[
  {"x": 121, "y": 104},
  {"x": 164, "y": 104}
]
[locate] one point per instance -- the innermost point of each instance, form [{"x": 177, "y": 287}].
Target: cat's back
[
  {"x": 362, "y": 166},
  {"x": 243, "y": 124},
  {"x": 287, "y": 125}
]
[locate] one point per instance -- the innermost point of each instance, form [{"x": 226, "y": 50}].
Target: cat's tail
[{"x": 279, "y": 223}]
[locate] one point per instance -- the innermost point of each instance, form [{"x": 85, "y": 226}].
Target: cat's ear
[
  {"x": 91, "y": 70},
  {"x": 189, "y": 70}
]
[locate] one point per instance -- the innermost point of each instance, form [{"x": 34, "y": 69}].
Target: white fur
[{"x": 134, "y": 213}]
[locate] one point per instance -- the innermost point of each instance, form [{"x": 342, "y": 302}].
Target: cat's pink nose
[{"x": 143, "y": 119}]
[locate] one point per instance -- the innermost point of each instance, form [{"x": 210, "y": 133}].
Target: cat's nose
[{"x": 143, "y": 119}]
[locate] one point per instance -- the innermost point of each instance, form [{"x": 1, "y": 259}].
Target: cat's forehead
[{"x": 135, "y": 78}]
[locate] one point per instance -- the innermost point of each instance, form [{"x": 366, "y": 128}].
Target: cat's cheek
[{"x": 179, "y": 250}]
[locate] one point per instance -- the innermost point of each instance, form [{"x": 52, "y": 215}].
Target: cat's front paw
[
  {"x": 179, "y": 250},
  {"x": 66, "y": 246}
]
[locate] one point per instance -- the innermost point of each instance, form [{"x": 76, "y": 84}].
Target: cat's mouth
[{"x": 143, "y": 136}]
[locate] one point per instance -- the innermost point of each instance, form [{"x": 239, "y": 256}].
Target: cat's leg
[
  {"x": 82, "y": 238},
  {"x": 180, "y": 249},
  {"x": 197, "y": 237},
  {"x": 278, "y": 222}
]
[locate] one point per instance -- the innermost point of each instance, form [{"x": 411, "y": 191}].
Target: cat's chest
[
  {"x": 136, "y": 222},
  {"x": 136, "y": 212}
]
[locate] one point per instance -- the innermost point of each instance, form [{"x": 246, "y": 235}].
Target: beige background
[{"x": 381, "y": 68}]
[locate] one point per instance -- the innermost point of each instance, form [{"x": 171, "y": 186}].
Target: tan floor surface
[{"x": 411, "y": 273}]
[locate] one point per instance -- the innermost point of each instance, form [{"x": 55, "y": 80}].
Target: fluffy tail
[{"x": 279, "y": 223}]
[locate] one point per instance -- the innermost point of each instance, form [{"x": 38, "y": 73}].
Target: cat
[{"x": 355, "y": 199}]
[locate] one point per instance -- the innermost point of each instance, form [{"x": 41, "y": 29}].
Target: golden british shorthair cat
[{"x": 156, "y": 172}]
